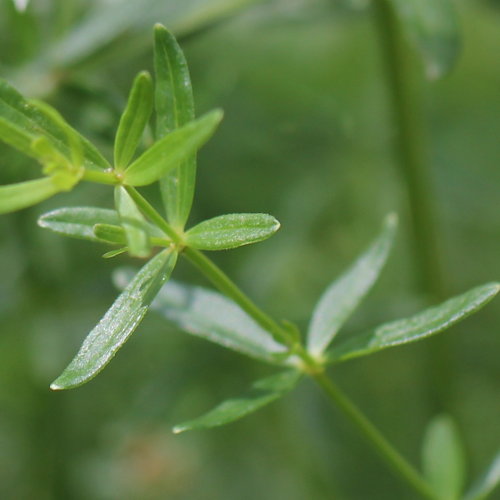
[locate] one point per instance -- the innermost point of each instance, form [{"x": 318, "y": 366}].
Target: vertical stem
[
  {"x": 405, "y": 108},
  {"x": 391, "y": 456},
  {"x": 409, "y": 146}
]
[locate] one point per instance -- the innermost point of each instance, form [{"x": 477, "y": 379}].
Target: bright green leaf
[
  {"x": 488, "y": 482},
  {"x": 133, "y": 223},
  {"x": 118, "y": 323},
  {"x": 114, "y": 253},
  {"x": 432, "y": 26},
  {"x": 262, "y": 393},
  {"x": 169, "y": 151},
  {"x": 344, "y": 295},
  {"x": 212, "y": 316},
  {"x": 25, "y": 194},
  {"x": 443, "y": 459},
  {"x": 231, "y": 231},
  {"x": 78, "y": 222},
  {"x": 428, "y": 322},
  {"x": 133, "y": 120},
  {"x": 110, "y": 234},
  {"x": 22, "y": 115},
  {"x": 174, "y": 108}
]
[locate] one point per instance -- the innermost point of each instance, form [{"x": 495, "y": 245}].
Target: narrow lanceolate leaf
[
  {"x": 133, "y": 223},
  {"x": 110, "y": 234},
  {"x": 262, "y": 393},
  {"x": 212, "y": 316},
  {"x": 78, "y": 222},
  {"x": 118, "y": 323},
  {"x": 488, "y": 482},
  {"x": 432, "y": 26},
  {"x": 231, "y": 231},
  {"x": 443, "y": 458},
  {"x": 21, "y": 115},
  {"x": 25, "y": 194},
  {"x": 174, "y": 108},
  {"x": 429, "y": 322},
  {"x": 169, "y": 151},
  {"x": 133, "y": 120},
  {"x": 344, "y": 295}
]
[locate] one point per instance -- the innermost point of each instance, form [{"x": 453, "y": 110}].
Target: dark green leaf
[
  {"x": 133, "y": 222},
  {"x": 118, "y": 323},
  {"x": 443, "y": 459},
  {"x": 174, "y": 108},
  {"x": 432, "y": 25},
  {"x": 429, "y": 322},
  {"x": 262, "y": 393},
  {"x": 25, "y": 194},
  {"x": 344, "y": 295},
  {"x": 78, "y": 222},
  {"x": 133, "y": 120},
  {"x": 489, "y": 482},
  {"x": 110, "y": 234},
  {"x": 231, "y": 231},
  {"x": 169, "y": 151},
  {"x": 212, "y": 316},
  {"x": 25, "y": 116}
]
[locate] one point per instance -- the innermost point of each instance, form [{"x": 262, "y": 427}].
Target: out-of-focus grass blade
[
  {"x": 169, "y": 151},
  {"x": 17, "y": 137},
  {"x": 443, "y": 458},
  {"x": 432, "y": 26},
  {"x": 25, "y": 194},
  {"x": 231, "y": 231},
  {"x": 489, "y": 482},
  {"x": 210, "y": 315},
  {"x": 26, "y": 116},
  {"x": 262, "y": 393},
  {"x": 174, "y": 107},
  {"x": 428, "y": 322},
  {"x": 133, "y": 223},
  {"x": 343, "y": 296},
  {"x": 118, "y": 323},
  {"x": 133, "y": 120},
  {"x": 78, "y": 222}
]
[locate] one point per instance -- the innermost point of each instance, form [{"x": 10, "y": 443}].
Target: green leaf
[
  {"x": 443, "y": 459},
  {"x": 133, "y": 223},
  {"x": 114, "y": 253},
  {"x": 428, "y": 322},
  {"x": 25, "y": 194},
  {"x": 344, "y": 295},
  {"x": 169, "y": 151},
  {"x": 78, "y": 222},
  {"x": 110, "y": 234},
  {"x": 174, "y": 107},
  {"x": 210, "y": 315},
  {"x": 133, "y": 120},
  {"x": 231, "y": 231},
  {"x": 432, "y": 26},
  {"x": 118, "y": 323},
  {"x": 262, "y": 393},
  {"x": 24, "y": 122},
  {"x": 488, "y": 482}
]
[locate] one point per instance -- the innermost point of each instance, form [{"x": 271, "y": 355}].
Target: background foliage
[{"x": 306, "y": 137}]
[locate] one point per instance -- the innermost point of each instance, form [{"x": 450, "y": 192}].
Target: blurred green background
[{"x": 307, "y": 138}]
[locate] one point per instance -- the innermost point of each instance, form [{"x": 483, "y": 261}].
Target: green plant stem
[
  {"x": 406, "y": 109},
  {"x": 392, "y": 457},
  {"x": 100, "y": 177},
  {"x": 149, "y": 211},
  {"x": 409, "y": 147}
]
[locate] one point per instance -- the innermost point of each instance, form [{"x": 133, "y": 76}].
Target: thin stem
[
  {"x": 148, "y": 210},
  {"x": 229, "y": 288},
  {"x": 100, "y": 177},
  {"x": 410, "y": 151},
  {"x": 409, "y": 146},
  {"x": 391, "y": 456}
]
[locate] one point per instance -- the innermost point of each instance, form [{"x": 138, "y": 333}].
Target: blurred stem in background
[{"x": 410, "y": 153}]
